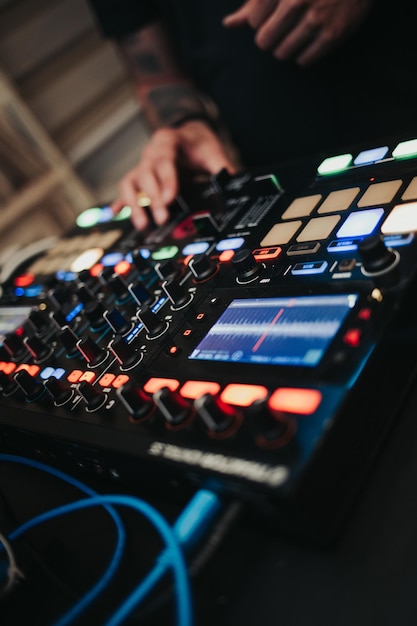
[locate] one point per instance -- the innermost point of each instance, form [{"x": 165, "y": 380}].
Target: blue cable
[
  {"x": 173, "y": 555},
  {"x": 187, "y": 531},
  {"x": 79, "y": 607}
]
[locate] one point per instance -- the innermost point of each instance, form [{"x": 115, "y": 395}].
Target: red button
[{"x": 353, "y": 337}]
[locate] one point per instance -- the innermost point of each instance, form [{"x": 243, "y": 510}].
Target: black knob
[
  {"x": 245, "y": 265},
  {"x": 221, "y": 419},
  {"x": 15, "y": 346},
  {"x": 117, "y": 322},
  {"x": 375, "y": 255},
  {"x": 175, "y": 409},
  {"x": 94, "y": 312},
  {"x": 120, "y": 287},
  {"x": 59, "y": 296},
  {"x": 105, "y": 275},
  {"x": 93, "y": 398},
  {"x": 7, "y": 384},
  {"x": 167, "y": 269},
  {"x": 60, "y": 392},
  {"x": 85, "y": 294},
  {"x": 127, "y": 356},
  {"x": 85, "y": 277},
  {"x": 32, "y": 389},
  {"x": 142, "y": 265},
  {"x": 91, "y": 351},
  {"x": 39, "y": 350},
  {"x": 154, "y": 325},
  {"x": 202, "y": 267},
  {"x": 68, "y": 340},
  {"x": 59, "y": 319},
  {"x": 178, "y": 296},
  {"x": 141, "y": 295},
  {"x": 138, "y": 403},
  {"x": 38, "y": 321}
]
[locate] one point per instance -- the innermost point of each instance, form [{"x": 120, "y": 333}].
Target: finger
[
  {"x": 117, "y": 205},
  {"x": 278, "y": 26},
  {"x": 239, "y": 17},
  {"x": 260, "y": 11},
  {"x": 302, "y": 36}
]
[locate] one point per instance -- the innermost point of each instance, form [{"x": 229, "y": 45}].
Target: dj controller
[{"x": 263, "y": 341}]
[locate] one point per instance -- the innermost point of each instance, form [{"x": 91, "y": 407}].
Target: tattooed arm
[{"x": 182, "y": 135}]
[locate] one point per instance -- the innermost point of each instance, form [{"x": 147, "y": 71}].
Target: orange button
[
  {"x": 106, "y": 380},
  {"x": 226, "y": 256},
  {"x": 155, "y": 384},
  {"x": 32, "y": 369},
  {"x": 24, "y": 280},
  {"x": 119, "y": 381},
  {"x": 122, "y": 267},
  {"x": 196, "y": 388},
  {"x": 7, "y": 367},
  {"x": 243, "y": 395},
  {"x": 292, "y": 400},
  {"x": 266, "y": 253}
]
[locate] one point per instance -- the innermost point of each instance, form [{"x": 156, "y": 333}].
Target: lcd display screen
[{"x": 293, "y": 331}]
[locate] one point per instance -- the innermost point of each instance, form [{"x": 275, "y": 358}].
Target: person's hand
[
  {"x": 193, "y": 147},
  {"x": 302, "y": 30}
]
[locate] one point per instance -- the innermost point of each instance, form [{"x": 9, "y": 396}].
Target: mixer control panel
[{"x": 262, "y": 340}]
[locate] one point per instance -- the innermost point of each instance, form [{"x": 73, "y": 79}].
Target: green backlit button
[
  {"x": 167, "y": 252},
  {"x": 334, "y": 164},
  {"x": 405, "y": 149},
  {"x": 89, "y": 218},
  {"x": 124, "y": 214}
]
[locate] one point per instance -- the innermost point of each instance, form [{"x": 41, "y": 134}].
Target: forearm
[{"x": 165, "y": 92}]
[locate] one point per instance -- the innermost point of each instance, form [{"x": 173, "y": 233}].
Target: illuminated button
[
  {"x": 187, "y": 332},
  {"x": 7, "y": 367},
  {"x": 234, "y": 243},
  {"x": 32, "y": 369},
  {"x": 226, "y": 256},
  {"x": 353, "y": 337},
  {"x": 343, "y": 245},
  {"x": 405, "y": 149},
  {"x": 88, "y": 218},
  {"x": 196, "y": 247},
  {"x": 292, "y": 400},
  {"x": 122, "y": 267},
  {"x": 86, "y": 259},
  {"x": 167, "y": 252},
  {"x": 380, "y": 193},
  {"x": 394, "y": 241},
  {"x": 266, "y": 253},
  {"x": 339, "y": 200},
  {"x": 243, "y": 395},
  {"x": 402, "y": 219},
  {"x": 88, "y": 377},
  {"x": 364, "y": 314},
  {"x": 173, "y": 350},
  {"x": 318, "y": 228},
  {"x": 360, "y": 223},
  {"x": 74, "y": 376},
  {"x": 200, "y": 317},
  {"x": 106, "y": 380},
  {"x": 334, "y": 164},
  {"x": 154, "y": 384},
  {"x": 109, "y": 260},
  {"x": 24, "y": 280},
  {"x": 313, "y": 267},
  {"x": 366, "y": 157},
  {"x": 411, "y": 192},
  {"x": 281, "y": 233},
  {"x": 120, "y": 380},
  {"x": 106, "y": 215},
  {"x": 193, "y": 389},
  {"x": 301, "y": 207}
]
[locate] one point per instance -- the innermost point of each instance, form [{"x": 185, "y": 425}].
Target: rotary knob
[
  {"x": 15, "y": 346},
  {"x": 39, "y": 322},
  {"x": 142, "y": 265},
  {"x": 68, "y": 340},
  {"x": 175, "y": 409},
  {"x": 375, "y": 255},
  {"x": 39, "y": 350},
  {"x": 60, "y": 392},
  {"x": 127, "y": 356},
  {"x": 141, "y": 295},
  {"x": 120, "y": 287},
  {"x": 117, "y": 322},
  {"x": 91, "y": 351},
  {"x": 167, "y": 270},
  {"x": 139, "y": 404},
  {"x": 246, "y": 266},
  {"x": 31, "y": 388},
  {"x": 221, "y": 419},
  {"x": 202, "y": 267},
  {"x": 154, "y": 325},
  {"x": 177, "y": 294},
  {"x": 7, "y": 384},
  {"x": 93, "y": 398}
]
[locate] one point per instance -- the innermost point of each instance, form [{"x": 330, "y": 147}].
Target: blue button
[{"x": 315, "y": 267}]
